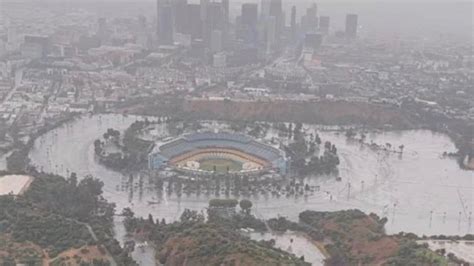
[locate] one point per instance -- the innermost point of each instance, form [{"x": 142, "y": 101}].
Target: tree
[
  {"x": 246, "y": 205},
  {"x": 127, "y": 212},
  {"x": 73, "y": 179},
  {"x": 327, "y": 145},
  {"x": 317, "y": 139},
  {"x": 350, "y": 133},
  {"x": 401, "y": 147},
  {"x": 190, "y": 216},
  {"x": 150, "y": 219}
]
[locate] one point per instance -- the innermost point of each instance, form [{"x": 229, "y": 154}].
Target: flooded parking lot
[{"x": 418, "y": 192}]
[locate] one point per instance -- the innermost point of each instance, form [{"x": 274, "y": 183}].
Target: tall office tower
[
  {"x": 226, "y": 14},
  {"x": 270, "y": 33},
  {"x": 276, "y": 10},
  {"x": 324, "y": 22},
  {"x": 312, "y": 11},
  {"x": 216, "y": 41},
  {"x": 194, "y": 24},
  {"x": 165, "y": 24},
  {"x": 309, "y": 22},
  {"x": 265, "y": 9},
  {"x": 214, "y": 20},
  {"x": 180, "y": 15},
  {"x": 159, "y": 4},
  {"x": 204, "y": 4},
  {"x": 249, "y": 21},
  {"x": 225, "y": 7},
  {"x": 293, "y": 22},
  {"x": 351, "y": 25},
  {"x": 250, "y": 14}
]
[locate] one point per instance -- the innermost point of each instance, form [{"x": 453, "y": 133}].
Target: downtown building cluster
[{"x": 252, "y": 32}]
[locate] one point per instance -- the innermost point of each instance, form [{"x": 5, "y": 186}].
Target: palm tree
[{"x": 401, "y": 147}]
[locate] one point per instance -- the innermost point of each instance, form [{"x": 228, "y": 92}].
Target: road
[{"x": 96, "y": 239}]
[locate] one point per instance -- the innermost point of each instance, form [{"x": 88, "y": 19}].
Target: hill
[{"x": 208, "y": 244}]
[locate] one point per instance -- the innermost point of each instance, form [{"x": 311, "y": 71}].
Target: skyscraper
[
  {"x": 225, "y": 7},
  {"x": 351, "y": 25},
  {"x": 324, "y": 24},
  {"x": 309, "y": 22},
  {"x": 204, "y": 4},
  {"x": 194, "y": 23},
  {"x": 293, "y": 22},
  {"x": 276, "y": 11},
  {"x": 265, "y": 9},
  {"x": 165, "y": 22},
  {"x": 214, "y": 20},
  {"x": 216, "y": 41},
  {"x": 270, "y": 33},
  {"x": 249, "y": 20},
  {"x": 250, "y": 14},
  {"x": 180, "y": 15}
]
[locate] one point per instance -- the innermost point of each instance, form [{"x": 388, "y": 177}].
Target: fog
[{"x": 236, "y": 132}]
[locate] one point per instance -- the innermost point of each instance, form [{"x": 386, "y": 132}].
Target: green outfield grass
[{"x": 220, "y": 165}]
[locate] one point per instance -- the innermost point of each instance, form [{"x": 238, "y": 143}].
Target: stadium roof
[{"x": 235, "y": 141}]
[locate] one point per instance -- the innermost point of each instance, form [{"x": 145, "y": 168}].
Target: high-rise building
[
  {"x": 194, "y": 23},
  {"x": 309, "y": 22},
  {"x": 225, "y": 7},
  {"x": 216, "y": 41},
  {"x": 265, "y": 9},
  {"x": 324, "y": 23},
  {"x": 270, "y": 33},
  {"x": 165, "y": 23},
  {"x": 214, "y": 20},
  {"x": 249, "y": 14},
  {"x": 159, "y": 4},
  {"x": 180, "y": 15},
  {"x": 248, "y": 23},
  {"x": 293, "y": 22},
  {"x": 276, "y": 11},
  {"x": 351, "y": 25},
  {"x": 312, "y": 11},
  {"x": 204, "y": 4}
]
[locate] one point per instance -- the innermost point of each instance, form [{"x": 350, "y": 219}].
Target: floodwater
[
  {"x": 418, "y": 192},
  {"x": 3, "y": 161},
  {"x": 462, "y": 249}
]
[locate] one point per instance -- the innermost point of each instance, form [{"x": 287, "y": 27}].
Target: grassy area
[{"x": 220, "y": 165}]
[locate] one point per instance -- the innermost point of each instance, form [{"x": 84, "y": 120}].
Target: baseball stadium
[{"x": 218, "y": 153}]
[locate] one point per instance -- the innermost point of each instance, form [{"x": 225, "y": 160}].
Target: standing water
[{"x": 418, "y": 191}]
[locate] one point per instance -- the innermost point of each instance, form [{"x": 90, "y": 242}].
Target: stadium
[{"x": 222, "y": 153}]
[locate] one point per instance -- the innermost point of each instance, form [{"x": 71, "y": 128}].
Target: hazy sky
[{"x": 387, "y": 17}]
